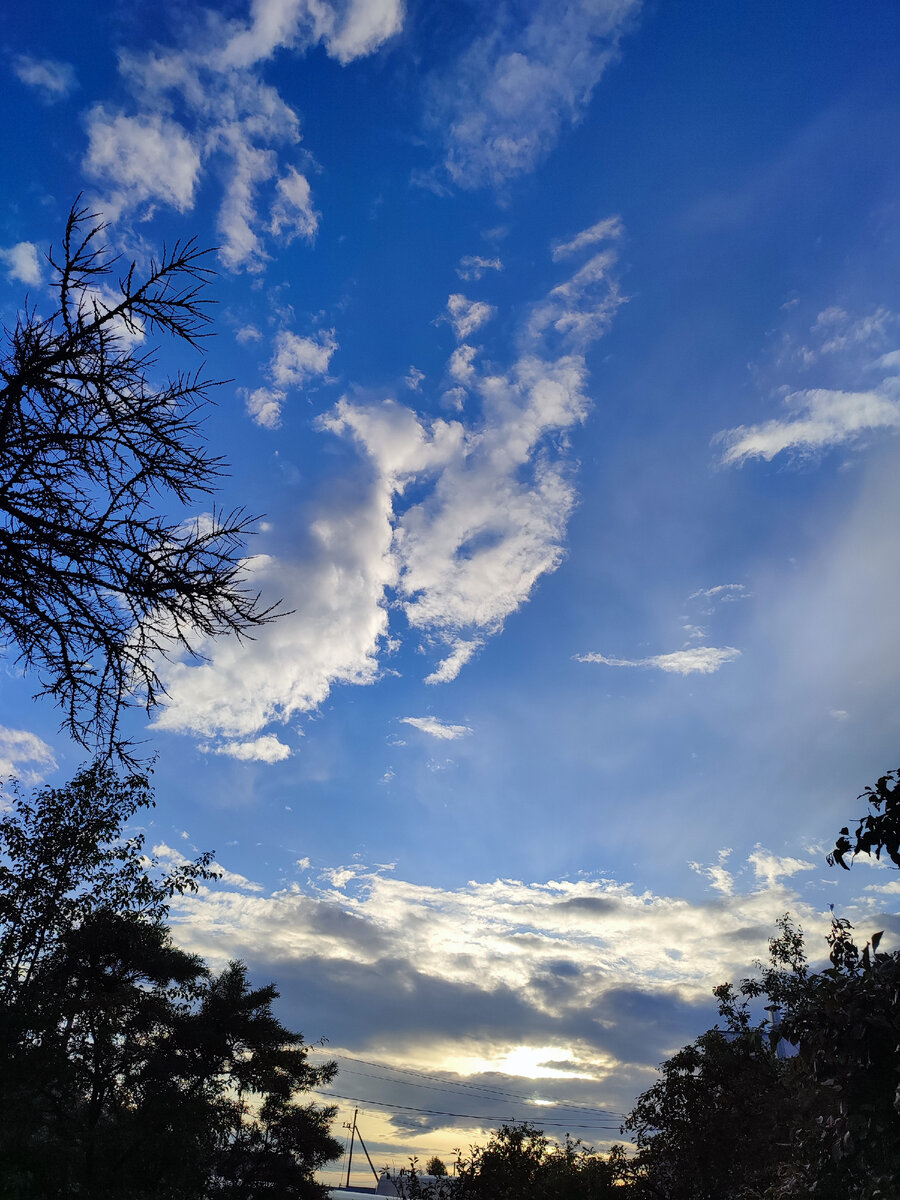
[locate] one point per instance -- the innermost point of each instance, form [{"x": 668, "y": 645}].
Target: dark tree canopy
[
  {"x": 520, "y": 1162},
  {"x": 878, "y": 830},
  {"x": 98, "y": 580},
  {"x": 127, "y": 1068},
  {"x": 731, "y": 1116}
]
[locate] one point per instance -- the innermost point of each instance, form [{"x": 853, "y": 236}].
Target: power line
[
  {"x": 434, "y": 1112},
  {"x": 485, "y": 1089}
]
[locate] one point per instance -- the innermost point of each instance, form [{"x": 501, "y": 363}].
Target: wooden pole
[{"x": 350, "y": 1157}]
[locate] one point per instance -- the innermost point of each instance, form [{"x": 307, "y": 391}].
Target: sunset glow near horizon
[{"x": 563, "y": 355}]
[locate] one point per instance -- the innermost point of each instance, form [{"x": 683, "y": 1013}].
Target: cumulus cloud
[
  {"x": 297, "y": 360},
  {"x": 487, "y": 518},
  {"x": 436, "y": 728},
  {"x": 467, "y": 315},
  {"x": 264, "y": 405},
  {"x": 818, "y": 420},
  {"x": 586, "y": 984},
  {"x": 266, "y": 749},
  {"x": 247, "y": 334},
  {"x": 139, "y": 159},
  {"x": 51, "y": 79},
  {"x": 473, "y": 266},
  {"x": 24, "y": 755},
  {"x": 460, "y": 365},
  {"x": 693, "y": 660},
  {"x": 23, "y": 263},
  {"x": 335, "y": 586},
  {"x": 228, "y": 119},
  {"x": 504, "y": 103}
]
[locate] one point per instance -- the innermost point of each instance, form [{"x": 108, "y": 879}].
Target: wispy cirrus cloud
[
  {"x": 502, "y": 106},
  {"x": 818, "y": 419},
  {"x": 473, "y": 266},
  {"x": 692, "y": 660},
  {"x": 844, "y": 351},
  {"x": 603, "y": 231},
  {"x": 435, "y": 728},
  {"x": 51, "y": 79}
]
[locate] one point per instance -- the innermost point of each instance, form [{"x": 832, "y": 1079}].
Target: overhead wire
[
  {"x": 484, "y": 1089},
  {"x": 434, "y": 1112}
]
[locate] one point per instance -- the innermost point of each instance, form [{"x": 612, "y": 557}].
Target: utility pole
[{"x": 350, "y": 1157}]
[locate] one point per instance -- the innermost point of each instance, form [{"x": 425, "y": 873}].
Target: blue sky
[{"x": 564, "y": 349}]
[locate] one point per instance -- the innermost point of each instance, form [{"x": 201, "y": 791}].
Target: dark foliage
[
  {"x": 520, "y": 1162},
  {"x": 732, "y": 1116},
  {"x": 878, "y": 830},
  {"x": 127, "y": 1069},
  {"x": 97, "y": 581}
]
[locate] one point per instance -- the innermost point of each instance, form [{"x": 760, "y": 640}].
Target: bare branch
[{"x": 97, "y": 587}]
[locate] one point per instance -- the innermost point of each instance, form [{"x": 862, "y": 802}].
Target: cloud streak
[
  {"x": 693, "y": 660},
  {"x": 436, "y": 728}
]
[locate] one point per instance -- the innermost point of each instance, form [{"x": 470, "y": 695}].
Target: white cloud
[
  {"x": 473, "y": 266},
  {"x": 460, "y": 364},
  {"x": 820, "y": 419},
  {"x": 264, "y": 405},
  {"x": 693, "y": 660},
  {"x": 267, "y": 749},
  {"x": 500, "y": 976},
  {"x": 436, "y": 728},
  {"x": 297, "y": 360},
  {"x": 489, "y": 517},
  {"x": 720, "y": 878},
  {"x": 504, "y": 103},
  {"x": 835, "y": 331},
  {"x": 467, "y": 315},
  {"x": 361, "y": 26},
  {"x": 770, "y": 869},
  {"x": 247, "y": 334},
  {"x": 230, "y": 119},
  {"x": 609, "y": 229},
  {"x": 413, "y": 379},
  {"x": 580, "y": 309},
  {"x": 24, "y": 755},
  {"x": 23, "y": 263},
  {"x": 293, "y": 213},
  {"x": 448, "y": 668},
  {"x": 722, "y": 593},
  {"x": 143, "y": 158},
  {"x": 250, "y": 166},
  {"x": 53, "y": 80},
  {"x": 335, "y": 588}
]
